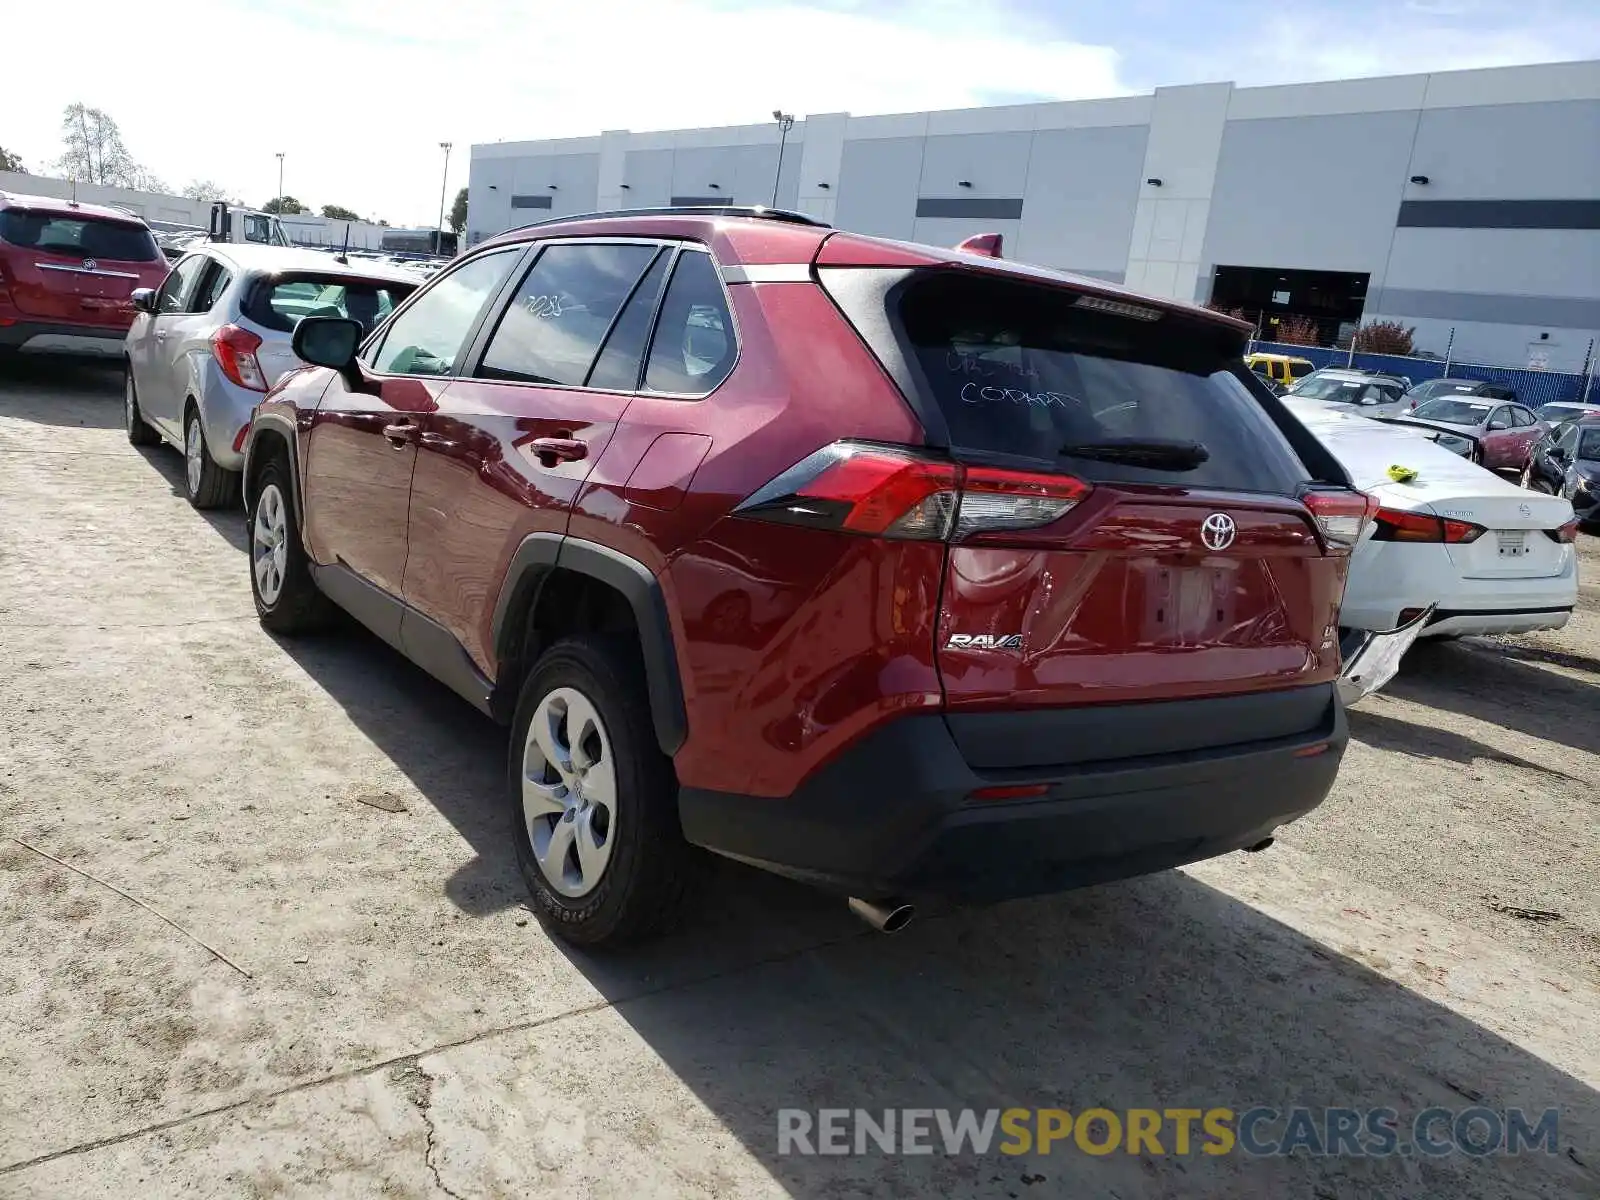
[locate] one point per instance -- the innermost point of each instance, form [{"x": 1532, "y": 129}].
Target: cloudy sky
[{"x": 358, "y": 95}]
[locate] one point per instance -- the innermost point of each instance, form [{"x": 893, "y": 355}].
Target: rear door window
[
  {"x": 622, "y": 359},
  {"x": 174, "y": 293},
  {"x": 82, "y": 237},
  {"x": 211, "y": 288},
  {"x": 1299, "y": 370},
  {"x": 694, "y": 347},
  {"x": 1022, "y": 371},
  {"x": 563, "y": 310}
]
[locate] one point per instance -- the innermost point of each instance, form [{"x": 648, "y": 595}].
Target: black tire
[
  {"x": 213, "y": 486},
  {"x": 139, "y": 432},
  {"x": 644, "y": 884},
  {"x": 297, "y": 606}
]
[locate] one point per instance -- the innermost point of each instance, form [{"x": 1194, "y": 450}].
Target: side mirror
[
  {"x": 331, "y": 342},
  {"x": 1557, "y": 453},
  {"x": 1497, "y": 426},
  {"x": 144, "y": 299}
]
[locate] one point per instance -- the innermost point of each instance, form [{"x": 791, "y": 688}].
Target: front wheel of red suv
[
  {"x": 593, "y": 799},
  {"x": 286, "y": 596}
]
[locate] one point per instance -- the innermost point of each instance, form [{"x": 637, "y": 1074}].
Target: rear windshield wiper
[{"x": 1159, "y": 454}]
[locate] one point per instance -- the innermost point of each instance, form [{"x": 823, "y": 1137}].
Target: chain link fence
[{"x": 1533, "y": 387}]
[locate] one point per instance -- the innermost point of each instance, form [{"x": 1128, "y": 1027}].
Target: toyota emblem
[
  {"x": 1217, "y": 531},
  {"x": 89, "y": 264}
]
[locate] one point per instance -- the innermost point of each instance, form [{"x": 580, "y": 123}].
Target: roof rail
[{"x": 759, "y": 211}]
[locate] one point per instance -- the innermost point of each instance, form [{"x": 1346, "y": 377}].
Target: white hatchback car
[
  {"x": 216, "y": 335},
  {"x": 1485, "y": 555}
]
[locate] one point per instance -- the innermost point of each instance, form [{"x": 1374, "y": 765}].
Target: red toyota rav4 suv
[
  {"x": 891, "y": 568},
  {"x": 67, "y": 272}
]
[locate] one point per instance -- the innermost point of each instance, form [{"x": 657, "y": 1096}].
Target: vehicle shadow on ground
[
  {"x": 61, "y": 392},
  {"x": 1158, "y": 993},
  {"x": 1488, "y": 681},
  {"x": 227, "y": 522},
  {"x": 455, "y": 757},
  {"x": 1383, "y": 732}
]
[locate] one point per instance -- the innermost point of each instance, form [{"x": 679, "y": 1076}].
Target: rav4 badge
[{"x": 984, "y": 641}]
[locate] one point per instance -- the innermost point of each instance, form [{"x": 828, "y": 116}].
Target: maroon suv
[
  {"x": 68, "y": 272},
  {"x": 891, "y": 568}
]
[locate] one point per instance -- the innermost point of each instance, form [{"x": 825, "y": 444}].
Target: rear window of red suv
[
  {"x": 1024, "y": 371},
  {"x": 83, "y": 237}
]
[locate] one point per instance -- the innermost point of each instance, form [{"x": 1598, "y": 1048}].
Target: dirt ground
[{"x": 329, "y": 820}]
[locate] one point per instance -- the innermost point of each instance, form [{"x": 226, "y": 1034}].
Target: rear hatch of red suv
[
  {"x": 75, "y": 268},
  {"x": 1129, "y": 523}
]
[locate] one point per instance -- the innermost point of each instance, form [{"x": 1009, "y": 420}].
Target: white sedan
[{"x": 1485, "y": 555}]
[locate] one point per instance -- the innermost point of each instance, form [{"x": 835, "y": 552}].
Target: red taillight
[
  {"x": 1008, "y": 791},
  {"x": 1398, "y": 525},
  {"x": 1567, "y": 533},
  {"x": 235, "y": 349},
  {"x": 888, "y": 491},
  {"x": 1340, "y": 515},
  {"x": 238, "y": 438}
]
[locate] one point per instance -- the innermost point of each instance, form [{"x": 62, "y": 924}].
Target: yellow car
[{"x": 1280, "y": 369}]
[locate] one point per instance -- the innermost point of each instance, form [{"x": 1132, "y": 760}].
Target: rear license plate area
[
  {"x": 1186, "y": 606},
  {"x": 1513, "y": 542}
]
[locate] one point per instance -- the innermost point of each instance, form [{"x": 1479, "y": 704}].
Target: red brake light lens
[
  {"x": 888, "y": 491},
  {"x": 235, "y": 349},
  {"x": 1340, "y": 515},
  {"x": 1398, "y": 525},
  {"x": 1567, "y": 533}
]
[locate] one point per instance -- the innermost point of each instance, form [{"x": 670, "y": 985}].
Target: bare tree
[
  {"x": 204, "y": 189},
  {"x": 95, "y": 152}
]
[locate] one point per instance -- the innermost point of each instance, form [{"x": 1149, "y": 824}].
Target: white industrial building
[{"x": 1463, "y": 200}]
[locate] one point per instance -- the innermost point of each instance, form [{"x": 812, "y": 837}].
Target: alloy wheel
[
  {"x": 569, "y": 792},
  {"x": 129, "y": 405},
  {"x": 269, "y": 548},
  {"x": 194, "y": 448}
]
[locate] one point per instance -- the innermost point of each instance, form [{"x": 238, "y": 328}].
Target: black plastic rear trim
[{"x": 1098, "y": 734}]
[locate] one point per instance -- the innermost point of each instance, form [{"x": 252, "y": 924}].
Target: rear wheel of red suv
[{"x": 593, "y": 800}]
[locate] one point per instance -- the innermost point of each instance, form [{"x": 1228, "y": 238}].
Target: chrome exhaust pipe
[{"x": 888, "y": 916}]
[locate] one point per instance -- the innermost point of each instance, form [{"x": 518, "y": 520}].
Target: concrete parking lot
[{"x": 382, "y": 1016}]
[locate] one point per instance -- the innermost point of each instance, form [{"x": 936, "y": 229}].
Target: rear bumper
[
  {"x": 1388, "y": 578},
  {"x": 1455, "y": 622},
  {"x": 44, "y": 337},
  {"x": 225, "y": 409},
  {"x": 892, "y": 815}
]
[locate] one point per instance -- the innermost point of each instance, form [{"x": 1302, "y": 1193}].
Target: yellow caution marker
[{"x": 1402, "y": 474}]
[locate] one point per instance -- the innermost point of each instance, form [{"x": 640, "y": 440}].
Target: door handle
[
  {"x": 553, "y": 450},
  {"x": 401, "y": 433}
]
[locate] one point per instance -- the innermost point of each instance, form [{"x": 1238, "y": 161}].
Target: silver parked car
[
  {"x": 1370, "y": 394},
  {"x": 216, "y": 335}
]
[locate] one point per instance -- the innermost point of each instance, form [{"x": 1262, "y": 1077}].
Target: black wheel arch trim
[
  {"x": 286, "y": 428},
  {"x": 531, "y": 564}
]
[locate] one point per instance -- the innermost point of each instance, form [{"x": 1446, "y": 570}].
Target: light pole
[
  {"x": 280, "y": 182},
  {"x": 444, "y": 186},
  {"x": 785, "y": 123}
]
